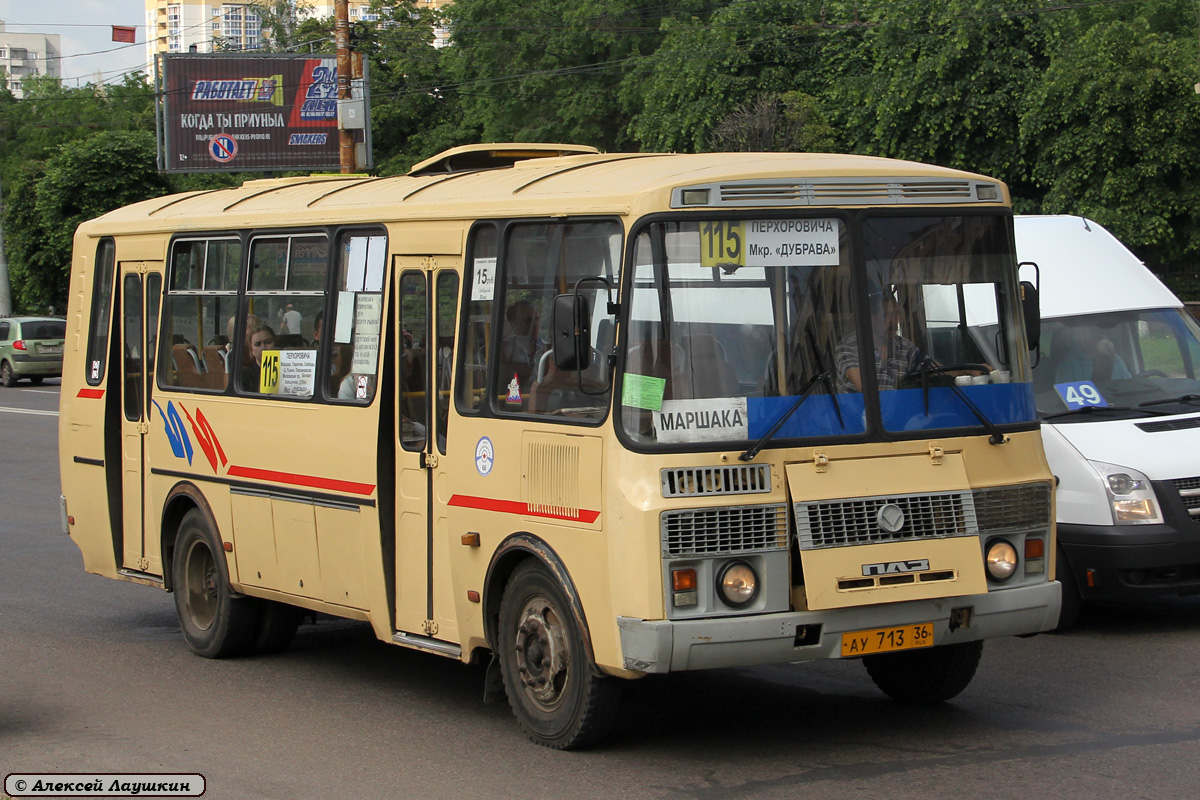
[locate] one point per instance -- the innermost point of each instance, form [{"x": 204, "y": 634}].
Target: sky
[{"x": 84, "y": 28}]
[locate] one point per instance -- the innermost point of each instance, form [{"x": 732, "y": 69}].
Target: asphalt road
[{"x": 94, "y": 676}]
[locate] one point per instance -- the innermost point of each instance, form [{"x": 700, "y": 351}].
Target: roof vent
[{"x": 472, "y": 157}]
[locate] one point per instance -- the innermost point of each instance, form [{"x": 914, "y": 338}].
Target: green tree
[
  {"x": 82, "y": 180},
  {"x": 547, "y": 70},
  {"x": 937, "y": 81},
  {"x": 712, "y": 64},
  {"x": 775, "y": 123},
  {"x": 1115, "y": 126}
]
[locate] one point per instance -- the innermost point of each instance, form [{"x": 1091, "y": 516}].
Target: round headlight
[
  {"x": 737, "y": 584},
  {"x": 1001, "y": 560}
]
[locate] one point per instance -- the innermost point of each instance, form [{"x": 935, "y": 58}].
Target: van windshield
[
  {"x": 731, "y": 322},
  {"x": 1138, "y": 359}
]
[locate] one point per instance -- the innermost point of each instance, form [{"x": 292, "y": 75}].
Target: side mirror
[
  {"x": 572, "y": 337},
  {"x": 1031, "y": 309}
]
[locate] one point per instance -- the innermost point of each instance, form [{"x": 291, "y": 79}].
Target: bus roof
[{"x": 580, "y": 183}]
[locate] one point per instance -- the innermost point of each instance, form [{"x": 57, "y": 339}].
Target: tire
[
  {"x": 6, "y": 375},
  {"x": 928, "y": 676},
  {"x": 552, "y": 685},
  {"x": 1072, "y": 601},
  {"x": 215, "y": 624},
  {"x": 277, "y": 623}
]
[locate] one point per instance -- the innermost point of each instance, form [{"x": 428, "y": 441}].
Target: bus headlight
[
  {"x": 1001, "y": 560},
  {"x": 1130, "y": 495},
  {"x": 737, "y": 585}
]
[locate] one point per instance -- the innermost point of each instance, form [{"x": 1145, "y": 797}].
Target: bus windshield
[{"x": 732, "y": 321}]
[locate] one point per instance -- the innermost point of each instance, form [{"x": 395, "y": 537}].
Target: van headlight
[{"x": 1130, "y": 495}]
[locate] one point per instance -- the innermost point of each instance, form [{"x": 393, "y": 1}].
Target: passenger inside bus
[{"x": 262, "y": 338}]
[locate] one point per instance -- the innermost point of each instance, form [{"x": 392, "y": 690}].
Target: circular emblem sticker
[
  {"x": 485, "y": 456},
  {"x": 890, "y": 518},
  {"x": 222, "y": 148}
]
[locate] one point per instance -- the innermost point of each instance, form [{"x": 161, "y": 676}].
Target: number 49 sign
[{"x": 1080, "y": 394}]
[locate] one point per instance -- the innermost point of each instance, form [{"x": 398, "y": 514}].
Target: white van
[{"x": 1117, "y": 383}]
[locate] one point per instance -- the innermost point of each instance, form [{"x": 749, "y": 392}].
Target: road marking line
[
  {"x": 39, "y": 391},
  {"x": 29, "y": 411}
]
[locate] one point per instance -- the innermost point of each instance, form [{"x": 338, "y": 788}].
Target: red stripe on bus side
[
  {"x": 515, "y": 507},
  {"x": 91, "y": 394},
  {"x": 308, "y": 481}
]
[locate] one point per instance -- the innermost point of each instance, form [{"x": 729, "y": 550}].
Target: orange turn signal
[
  {"x": 1035, "y": 548},
  {"x": 684, "y": 580}
]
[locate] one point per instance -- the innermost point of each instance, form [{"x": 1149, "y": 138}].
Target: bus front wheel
[
  {"x": 552, "y": 686},
  {"x": 215, "y": 623},
  {"x": 927, "y": 676}
]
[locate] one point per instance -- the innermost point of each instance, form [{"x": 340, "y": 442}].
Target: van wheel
[
  {"x": 6, "y": 375},
  {"x": 215, "y": 623},
  {"x": 927, "y": 676},
  {"x": 553, "y": 687},
  {"x": 277, "y": 623},
  {"x": 1072, "y": 601}
]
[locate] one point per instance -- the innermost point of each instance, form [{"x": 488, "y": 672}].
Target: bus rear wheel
[
  {"x": 555, "y": 691},
  {"x": 927, "y": 676},
  {"x": 215, "y": 623}
]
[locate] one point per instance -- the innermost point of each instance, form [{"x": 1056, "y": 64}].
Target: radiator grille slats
[
  {"x": 1001, "y": 509},
  {"x": 724, "y": 531},
  {"x": 838, "y": 523},
  {"x": 693, "y": 481}
]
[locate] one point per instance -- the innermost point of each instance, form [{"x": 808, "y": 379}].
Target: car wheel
[
  {"x": 926, "y": 676},
  {"x": 215, "y": 623},
  {"x": 555, "y": 691},
  {"x": 6, "y": 375}
]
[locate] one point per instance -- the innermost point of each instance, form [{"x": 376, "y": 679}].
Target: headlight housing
[
  {"x": 737, "y": 584},
  {"x": 1131, "y": 498},
  {"x": 1000, "y": 558}
]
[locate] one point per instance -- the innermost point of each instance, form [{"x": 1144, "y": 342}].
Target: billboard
[{"x": 236, "y": 113}]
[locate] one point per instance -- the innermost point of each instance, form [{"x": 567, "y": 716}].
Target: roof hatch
[{"x": 498, "y": 154}]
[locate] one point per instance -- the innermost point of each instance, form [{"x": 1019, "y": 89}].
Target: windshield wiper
[
  {"x": 1096, "y": 409},
  {"x": 1183, "y": 398},
  {"x": 927, "y": 367},
  {"x": 805, "y": 393}
]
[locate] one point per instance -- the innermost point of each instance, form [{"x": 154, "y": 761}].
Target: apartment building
[
  {"x": 25, "y": 54},
  {"x": 178, "y": 26}
]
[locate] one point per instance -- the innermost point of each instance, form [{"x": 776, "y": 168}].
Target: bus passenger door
[
  {"x": 427, "y": 303},
  {"x": 141, "y": 288}
]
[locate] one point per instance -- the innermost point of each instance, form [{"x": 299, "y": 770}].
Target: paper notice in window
[{"x": 368, "y": 318}]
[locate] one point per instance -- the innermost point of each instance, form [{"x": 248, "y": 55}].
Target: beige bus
[{"x": 581, "y": 416}]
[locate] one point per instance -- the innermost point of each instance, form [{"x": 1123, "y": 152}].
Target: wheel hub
[{"x": 542, "y": 654}]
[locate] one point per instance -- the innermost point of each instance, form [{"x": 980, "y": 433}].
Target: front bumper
[
  {"x": 1121, "y": 562},
  {"x": 672, "y": 646}
]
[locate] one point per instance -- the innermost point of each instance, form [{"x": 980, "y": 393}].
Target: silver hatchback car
[{"x": 31, "y": 347}]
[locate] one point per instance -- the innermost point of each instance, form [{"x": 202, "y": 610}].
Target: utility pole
[
  {"x": 341, "y": 13},
  {"x": 5, "y": 292}
]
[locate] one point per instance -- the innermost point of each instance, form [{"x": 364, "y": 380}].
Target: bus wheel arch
[
  {"x": 182, "y": 498},
  {"x": 538, "y": 632}
]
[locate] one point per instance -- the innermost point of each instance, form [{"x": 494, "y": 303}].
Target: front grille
[
  {"x": 724, "y": 531},
  {"x": 1002, "y": 509},
  {"x": 693, "y": 481},
  {"x": 1189, "y": 493},
  {"x": 838, "y": 523}
]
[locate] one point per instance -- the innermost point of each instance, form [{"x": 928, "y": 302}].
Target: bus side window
[
  {"x": 476, "y": 342},
  {"x": 199, "y": 303},
  {"x": 357, "y": 321}
]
